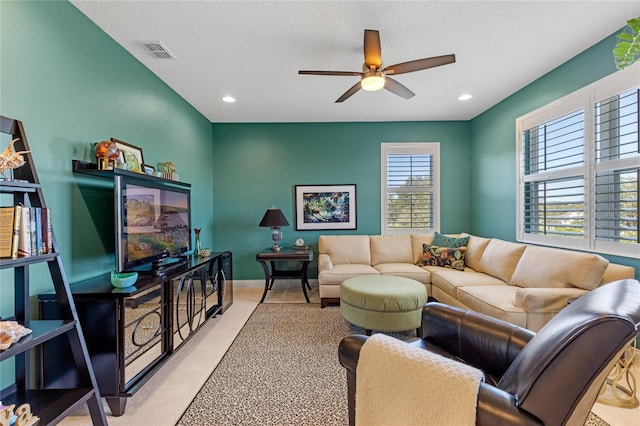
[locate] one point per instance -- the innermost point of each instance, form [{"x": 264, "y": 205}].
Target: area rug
[{"x": 283, "y": 369}]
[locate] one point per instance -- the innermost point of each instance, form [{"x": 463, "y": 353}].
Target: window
[
  {"x": 579, "y": 167},
  {"x": 410, "y": 188}
]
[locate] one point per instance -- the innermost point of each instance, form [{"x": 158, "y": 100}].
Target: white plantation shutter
[
  {"x": 579, "y": 167},
  {"x": 553, "y": 170},
  {"x": 617, "y": 153},
  {"x": 410, "y": 186},
  {"x": 554, "y": 207}
]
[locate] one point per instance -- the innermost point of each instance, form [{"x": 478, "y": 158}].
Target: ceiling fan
[{"x": 375, "y": 77}]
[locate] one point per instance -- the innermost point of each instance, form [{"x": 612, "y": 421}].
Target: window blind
[
  {"x": 554, "y": 207},
  {"x": 409, "y": 191},
  {"x": 579, "y": 168},
  {"x": 410, "y": 196},
  {"x": 555, "y": 144},
  {"x": 616, "y": 127},
  {"x": 553, "y": 203},
  {"x": 616, "y": 185}
]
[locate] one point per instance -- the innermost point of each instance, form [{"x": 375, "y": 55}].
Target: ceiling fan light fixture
[{"x": 373, "y": 82}]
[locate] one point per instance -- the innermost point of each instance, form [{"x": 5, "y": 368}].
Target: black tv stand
[{"x": 141, "y": 326}]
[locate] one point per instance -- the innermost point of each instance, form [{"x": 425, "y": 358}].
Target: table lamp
[{"x": 274, "y": 219}]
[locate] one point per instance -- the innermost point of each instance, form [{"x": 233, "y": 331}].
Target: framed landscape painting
[{"x": 323, "y": 207}]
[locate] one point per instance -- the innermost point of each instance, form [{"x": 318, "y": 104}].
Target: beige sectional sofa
[{"x": 525, "y": 285}]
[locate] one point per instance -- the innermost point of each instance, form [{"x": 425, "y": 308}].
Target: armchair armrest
[
  {"x": 349, "y": 350},
  {"x": 324, "y": 262},
  {"x": 476, "y": 339},
  {"x": 546, "y": 299},
  {"x": 495, "y": 406},
  {"x": 348, "y": 354}
]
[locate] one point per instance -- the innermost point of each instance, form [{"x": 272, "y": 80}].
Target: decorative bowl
[
  {"x": 205, "y": 252},
  {"x": 124, "y": 279}
]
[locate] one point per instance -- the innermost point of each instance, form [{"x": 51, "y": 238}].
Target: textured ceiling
[{"x": 253, "y": 50}]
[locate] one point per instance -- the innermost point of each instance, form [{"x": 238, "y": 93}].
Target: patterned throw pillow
[
  {"x": 448, "y": 257},
  {"x": 446, "y": 241}
]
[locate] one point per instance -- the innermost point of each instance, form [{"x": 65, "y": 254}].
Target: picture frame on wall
[
  {"x": 325, "y": 207},
  {"x": 130, "y": 155}
]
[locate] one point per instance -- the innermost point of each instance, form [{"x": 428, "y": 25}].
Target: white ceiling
[{"x": 253, "y": 50}]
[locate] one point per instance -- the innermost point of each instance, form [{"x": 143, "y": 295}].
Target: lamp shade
[{"x": 273, "y": 217}]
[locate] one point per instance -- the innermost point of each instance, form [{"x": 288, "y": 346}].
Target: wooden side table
[{"x": 286, "y": 254}]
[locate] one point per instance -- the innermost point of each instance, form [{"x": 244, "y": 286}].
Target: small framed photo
[
  {"x": 148, "y": 170},
  {"x": 323, "y": 207},
  {"x": 130, "y": 155}
]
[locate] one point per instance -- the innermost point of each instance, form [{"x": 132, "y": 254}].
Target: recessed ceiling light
[
  {"x": 229, "y": 99},
  {"x": 464, "y": 97}
]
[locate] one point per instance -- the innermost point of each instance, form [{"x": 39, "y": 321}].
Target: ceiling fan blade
[
  {"x": 420, "y": 64},
  {"x": 397, "y": 88},
  {"x": 372, "y": 51},
  {"x": 344, "y": 73},
  {"x": 352, "y": 90}
]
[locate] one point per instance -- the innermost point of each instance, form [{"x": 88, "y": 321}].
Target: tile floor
[{"x": 162, "y": 400}]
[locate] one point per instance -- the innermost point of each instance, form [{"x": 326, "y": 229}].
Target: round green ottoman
[{"x": 383, "y": 302}]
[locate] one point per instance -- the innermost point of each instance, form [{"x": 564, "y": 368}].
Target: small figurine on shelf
[
  {"x": 168, "y": 170},
  {"x": 107, "y": 152},
  {"x": 196, "y": 251},
  {"x": 6, "y": 415},
  {"x": 11, "y": 160},
  {"x": 21, "y": 417}
]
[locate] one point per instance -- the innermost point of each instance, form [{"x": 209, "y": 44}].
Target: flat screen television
[{"x": 153, "y": 223}]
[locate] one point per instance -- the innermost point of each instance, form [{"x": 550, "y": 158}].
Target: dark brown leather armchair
[{"x": 552, "y": 377}]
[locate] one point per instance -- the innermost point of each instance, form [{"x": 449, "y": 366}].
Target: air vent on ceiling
[{"x": 156, "y": 49}]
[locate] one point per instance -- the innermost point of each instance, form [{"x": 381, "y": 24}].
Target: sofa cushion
[
  {"x": 496, "y": 301},
  {"x": 404, "y": 270},
  {"x": 339, "y": 273},
  {"x": 500, "y": 259},
  {"x": 615, "y": 272},
  {"x": 391, "y": 249},
  {"x": 417, "y": 240},
  {"x": 447, "y": 241},
  {"x": 449, "y": 280},
  {"x": 447, "y": 257},
  {"x": 544, "y": 267},
  {"x": 546, "y": 299},
  {"x": 475, "y": 249},
  {"x": 346, "y": 248}
]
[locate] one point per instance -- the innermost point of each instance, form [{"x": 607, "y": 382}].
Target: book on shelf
[
  {"x": 10, "y": 220},
  {"x": 32, "y": 219},
  {"x": 24, "y": 243},
  {"x": 38, "y": 211},
  {"x": 25, "y": 231},
  {"x": 49, "y": 232},
  {"x": 45, "y": 233}
]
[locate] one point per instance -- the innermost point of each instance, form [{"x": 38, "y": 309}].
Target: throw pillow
[
  {"x": 446, "y": 241},
  {"x": 447, "y": 257}
]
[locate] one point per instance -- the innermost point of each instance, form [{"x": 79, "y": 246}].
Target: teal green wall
[
  {"x": 257, "y": 166},
  {"x": 72, "y": 86},
  {"x": 493, "y": 142}
]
